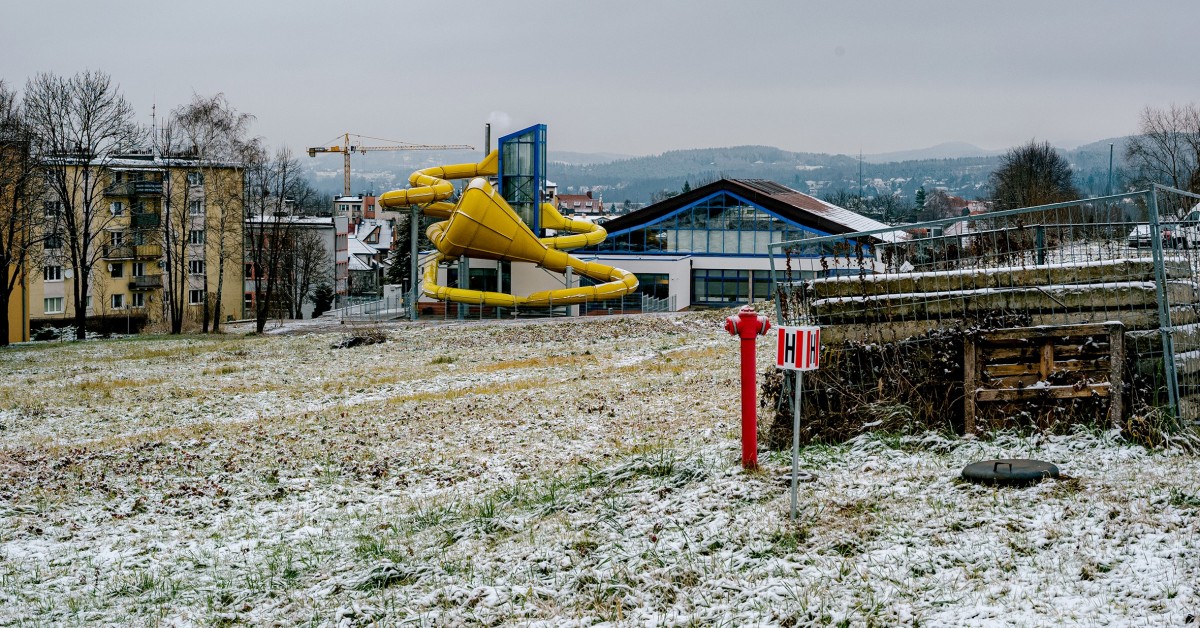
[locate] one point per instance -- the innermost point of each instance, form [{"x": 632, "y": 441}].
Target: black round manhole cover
[{"x": 1014, "y": 472}]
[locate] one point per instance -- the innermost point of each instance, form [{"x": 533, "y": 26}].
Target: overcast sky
[{"x": 636, "y": 76}]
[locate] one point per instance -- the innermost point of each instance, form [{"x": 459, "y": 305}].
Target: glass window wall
[
  {"x": 729, "y": 287},
  {"x": 523, "y": 172},
  {"x": 719, "y": 225}
]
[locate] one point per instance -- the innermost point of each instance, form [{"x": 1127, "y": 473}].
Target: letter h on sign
[{"x": 799, "y": 348}]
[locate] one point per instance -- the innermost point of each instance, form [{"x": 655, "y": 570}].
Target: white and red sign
[{"x": 799, "y": 348}]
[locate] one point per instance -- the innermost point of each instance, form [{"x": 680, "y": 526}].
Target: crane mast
[{"x": 346, "y": 148}]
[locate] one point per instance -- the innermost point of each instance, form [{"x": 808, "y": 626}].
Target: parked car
[{"x": 1175, "y": 234}]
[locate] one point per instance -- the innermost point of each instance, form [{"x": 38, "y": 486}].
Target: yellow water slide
[{"x": 482, "y": 225}]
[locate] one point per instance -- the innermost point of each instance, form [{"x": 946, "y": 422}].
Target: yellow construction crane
[{"x": 346, "y": 148}]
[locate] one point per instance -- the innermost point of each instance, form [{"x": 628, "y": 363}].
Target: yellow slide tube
[
  {"x": 584, "y": 232},
  {"x": 482, "y": 225},
  {"x": 430, "y": 185}
]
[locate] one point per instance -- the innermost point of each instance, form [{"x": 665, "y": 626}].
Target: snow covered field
[{"x": 572, "y": 472}]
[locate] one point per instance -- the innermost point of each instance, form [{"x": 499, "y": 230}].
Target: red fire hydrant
[{"x": 748, "y": 326}]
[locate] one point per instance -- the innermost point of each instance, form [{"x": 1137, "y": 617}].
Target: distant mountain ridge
[
  {"x": 946, "y": 150},
  {"x": 638, "y": 179},
  {"x": 820, "y": 174},
  {"x": 583, "y": 159}
]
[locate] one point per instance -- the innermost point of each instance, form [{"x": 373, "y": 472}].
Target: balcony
[
  {"x": 134, "y": 188},
  {"x": 143, "y": 220},
  {"x": 148, "y": 282},
  {"x": 127, "y": 251}
]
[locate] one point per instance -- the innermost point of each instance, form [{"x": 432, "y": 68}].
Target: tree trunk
[
  {"x": 177, "y": 269},
  {"x": 81, "y": 293},
  {"x": 205, "y": 315},
  {"x": 216, "y": 307},
  {"x": 260, "y": 316},
  {"x": 216, "y": 328},
  {"x": 4, "y": 301},
  {"x": 176, "y": 292},
  {"x": 262, "y": 305}
]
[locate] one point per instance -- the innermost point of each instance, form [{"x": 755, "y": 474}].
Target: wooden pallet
[{"x": 1023, "y": 363}]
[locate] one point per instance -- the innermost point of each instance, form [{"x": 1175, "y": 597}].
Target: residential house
[
  {"x": 575, "y": 204},
  {"x": 355, "y": 208},
  {"x": 153, "y": 213},
  {"x": 366, "y": 269},
  {"x": 378, "y": 234}
]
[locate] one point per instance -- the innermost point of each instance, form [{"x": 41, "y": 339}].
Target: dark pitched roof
[{"x": 782, "y": 200}]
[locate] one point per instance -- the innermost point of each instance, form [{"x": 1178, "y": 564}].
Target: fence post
[
  {"x": 414, "y": 263},
  {"x": 463, "y": 281},
  {"x": 1040, "y": 239},
  {"x": 1164, "y": 307}
]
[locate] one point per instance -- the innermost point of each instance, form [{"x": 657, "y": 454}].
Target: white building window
[
  {"x": 196, "y": 297},
  {"x": 196, "y": 267},
  {"x": 117, "y": 208},
  {"x": 137, "y": 299},
  {"x": 139, "y": 269},
  {"x": 195, "y": 178},
  {"x": 53, "y": 209},
  {"x": 117, "y": 301},
  {"x": 52, "y": 273},
  {"x": 196, "y": 208},
  {"x": 196, "y": 236},
  {"x": 52, "y": 305},
  {"x": 116, "y": 238}
]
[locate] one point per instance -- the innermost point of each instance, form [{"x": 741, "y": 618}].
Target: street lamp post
[{"x": 414, "y": 266}]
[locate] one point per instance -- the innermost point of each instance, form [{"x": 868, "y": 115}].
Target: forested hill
[{"x": 639, "y": 179}]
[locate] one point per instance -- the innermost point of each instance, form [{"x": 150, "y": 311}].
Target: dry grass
[
  {"x": 539, "y": 362},
  {"x": 510, "y": 474}
]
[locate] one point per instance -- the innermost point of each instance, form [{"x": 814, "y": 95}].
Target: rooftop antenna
[
  {"x": 154, "y": 128},
  {"x": 1108, "y": 188},
  {"x": 860, "y": 202}
]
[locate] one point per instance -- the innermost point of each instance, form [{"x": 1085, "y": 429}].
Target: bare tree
[
  {"x": 1032, "y": 174},
  {"x": 888, "y": 207},
  {"x": 18, "y": 177},
  {"x": 274, "y": 186},
  {"x": 938, "y": 204},
  {"x": 178, "y": 220},
  {"x": 79, "y": 125},
  {"x": 843, "y": 198},
  {"x": 218, "y": 135},
  {"x": 99, "y": 290},
  {"x": 1166, "y": 149},
  {"x": 307, "y": 264}
]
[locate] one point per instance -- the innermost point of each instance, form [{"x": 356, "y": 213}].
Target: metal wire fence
[{"x": 903, "y": 311}]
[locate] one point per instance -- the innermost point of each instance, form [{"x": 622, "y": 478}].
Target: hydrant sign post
[
  {"x": 798, "y": 349},
  {"x": 748, "y": 326}
]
